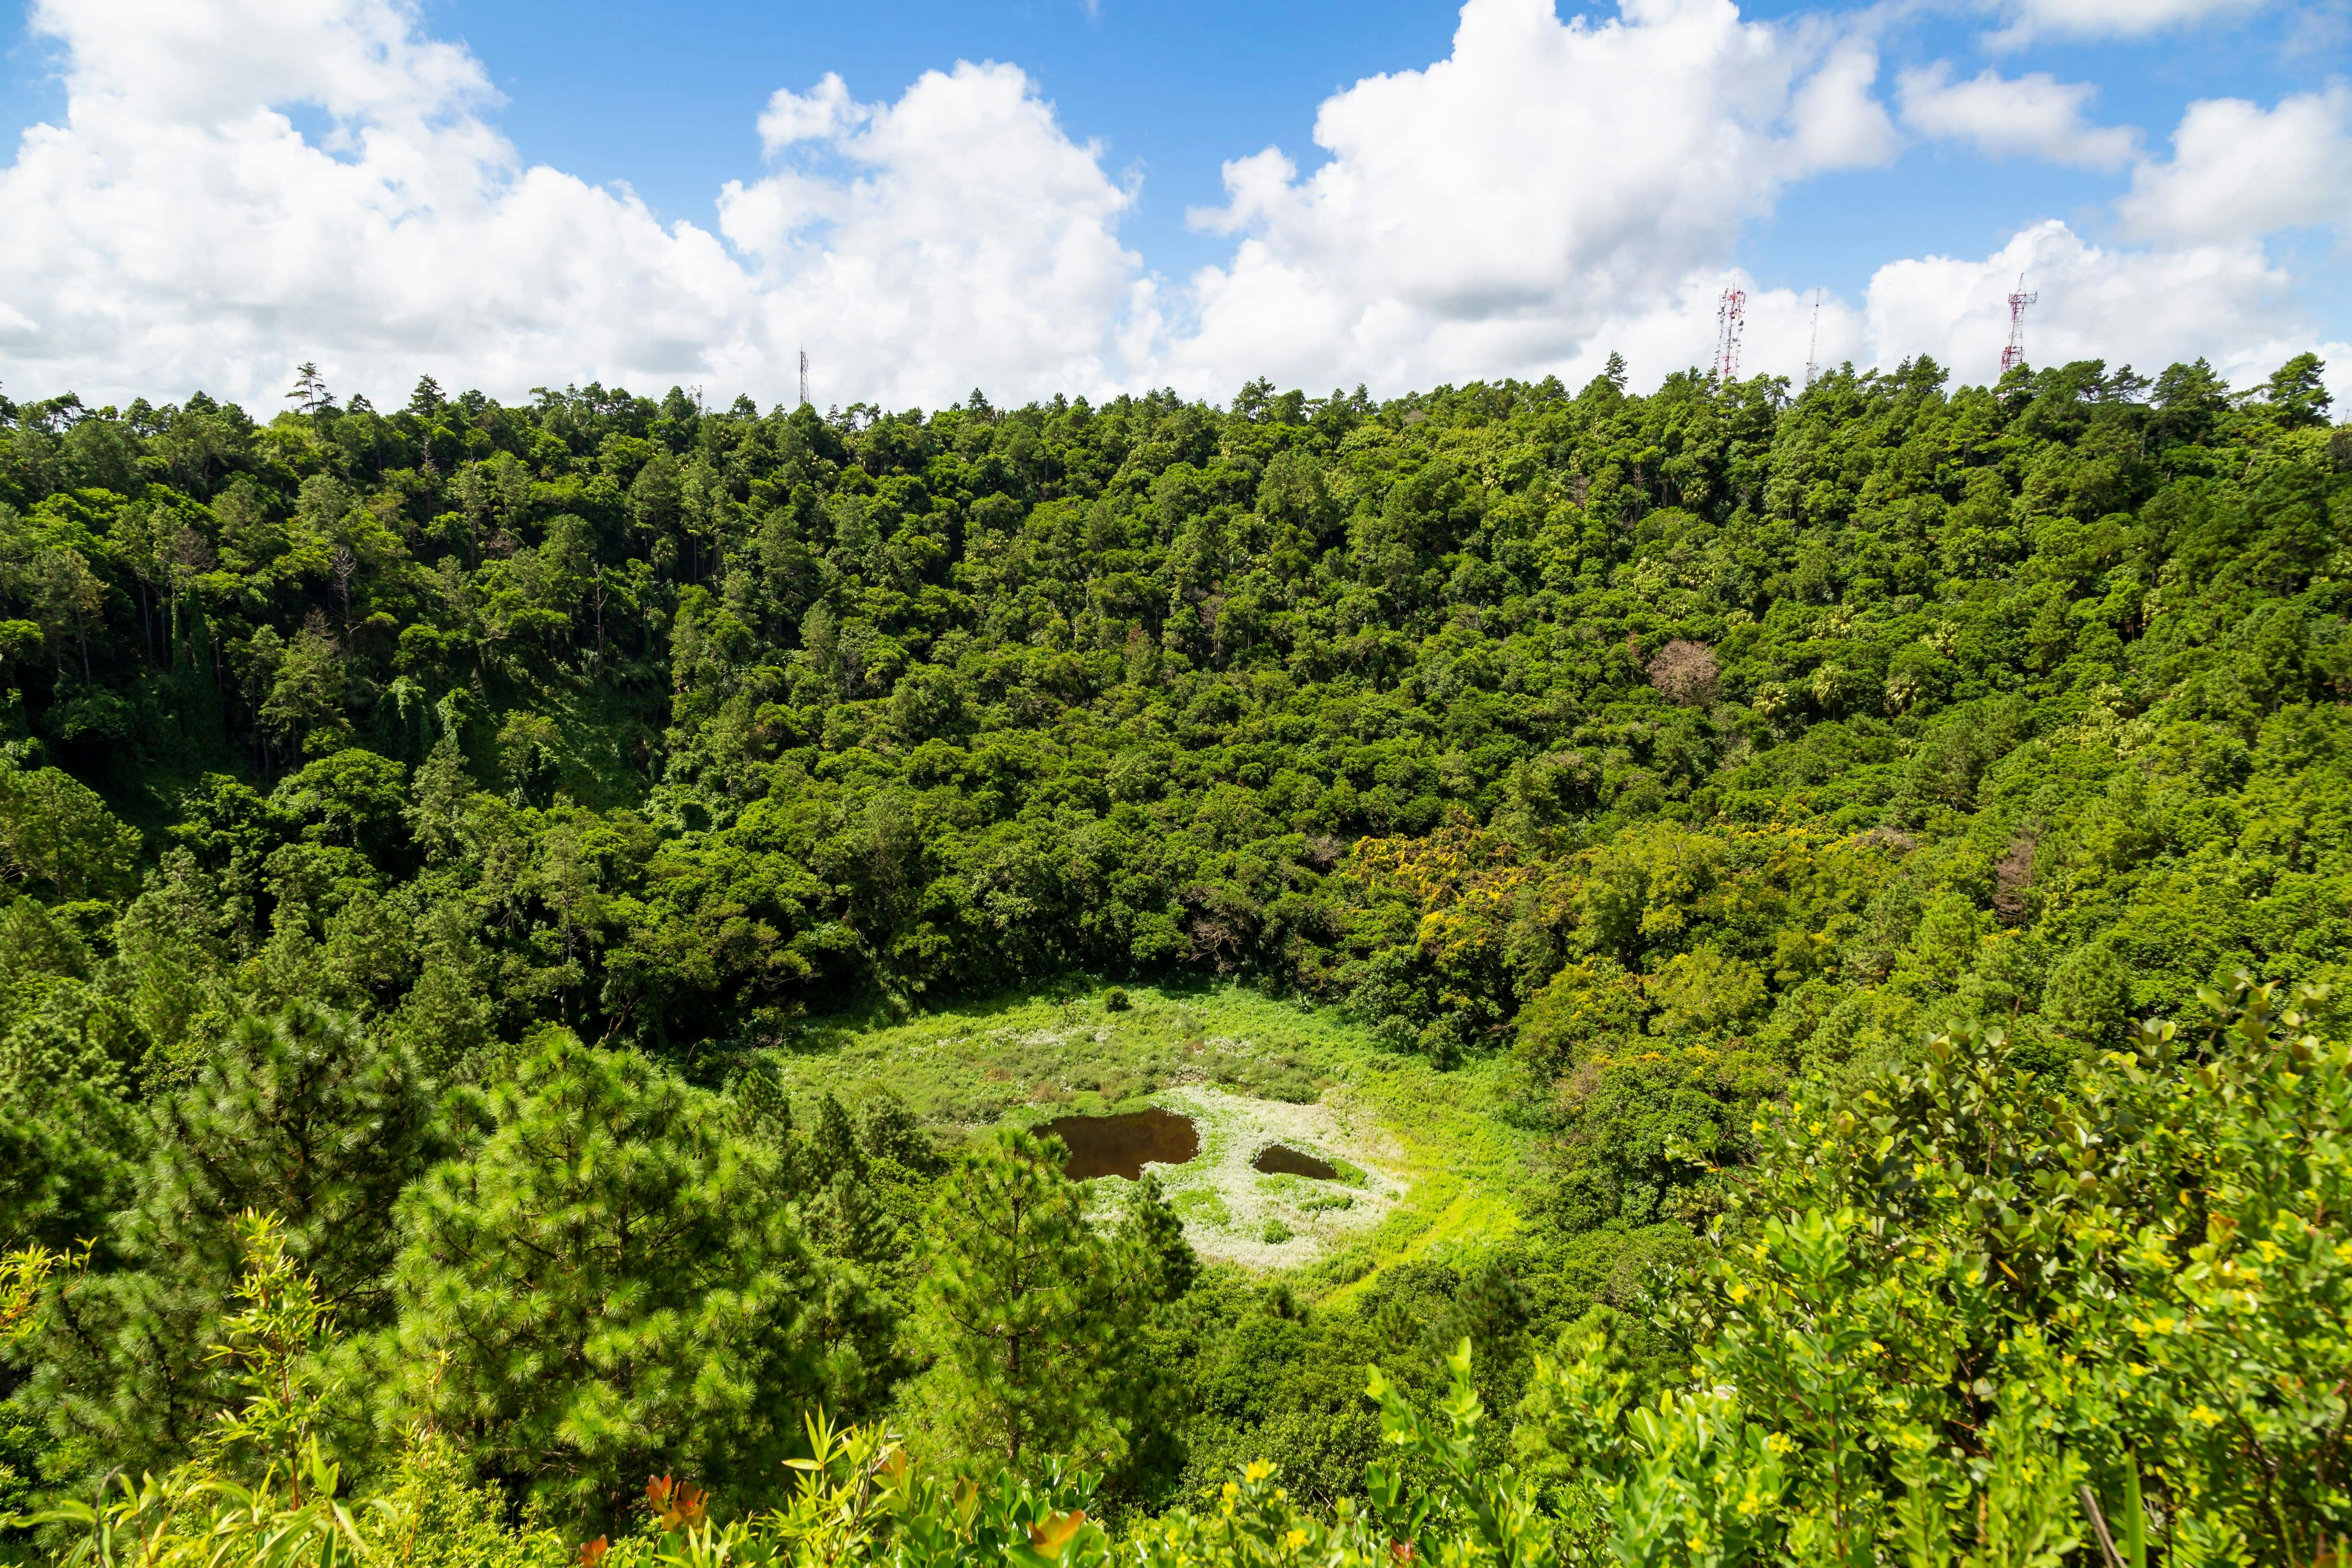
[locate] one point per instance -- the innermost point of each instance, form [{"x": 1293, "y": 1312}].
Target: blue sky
[
  {"x": 665, "y": 104},
  {"x": 664, "y": 100},
  {"x": 1171, "y": 90}
]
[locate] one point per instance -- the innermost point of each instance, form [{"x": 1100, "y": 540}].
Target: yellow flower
[
  {"x": 1295, "y": 1540},
  {"x": 1256, "y": 1470},
  {"x": 2211, "y": 1417}
]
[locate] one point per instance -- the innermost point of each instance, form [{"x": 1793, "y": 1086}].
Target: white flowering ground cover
[{"x": 1426, "y": 1166}]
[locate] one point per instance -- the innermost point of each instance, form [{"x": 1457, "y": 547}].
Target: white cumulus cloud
[
  {"x": 2240, "y": 169},
  {"x": 1492, "y": 212},
  {"x": 176, "y": 230},
  {"x": 819, "y": 114},
  {"x": 2224, "y": 301},
  {"x": 968, "y": 237},
  {"x": 1549, "y": 191},
  {"x": 2029, "y": 19},
  {"x": 2032, "y": 116}
]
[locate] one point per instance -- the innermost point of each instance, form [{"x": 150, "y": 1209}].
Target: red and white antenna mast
[
  {"x": 2015, "y": 353},
  {"x": 1729, "y": 317}
]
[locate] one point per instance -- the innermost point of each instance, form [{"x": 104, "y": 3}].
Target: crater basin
[
  {"x": 1281, "y": 1159},
  {"x": 1122, "y": 1146}
]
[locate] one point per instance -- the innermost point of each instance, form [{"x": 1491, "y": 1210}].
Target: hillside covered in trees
[{"x": 425, "y": 830}]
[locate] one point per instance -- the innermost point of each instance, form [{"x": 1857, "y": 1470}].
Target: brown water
[
  {"x": 1121, "y": 1146},
  {"x": 1280, "y": 1159}
]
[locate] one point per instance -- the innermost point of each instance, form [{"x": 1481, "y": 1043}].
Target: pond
[
  {"x": 1280, "y": 1159},
  {"x": 1122, "y": 1146}
]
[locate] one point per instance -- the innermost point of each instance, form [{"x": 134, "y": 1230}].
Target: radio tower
[
  {"x": 804, "y": 376},
  {"x": 2015, "y": 353},
  {"x": 1813, "y": 350},
  {"x": 1729, "y": 318}
]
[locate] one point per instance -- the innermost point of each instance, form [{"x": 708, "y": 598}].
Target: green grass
[
  {"x": 1205, "y": 1208},
  {"x": 1017, "y": 1060},
  {"x": 1464, "y": 1166}
]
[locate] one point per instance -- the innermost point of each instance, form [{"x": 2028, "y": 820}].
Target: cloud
[
  {"x": 957, "y": 233},
  {"x": 2239, "y": 169},
  {"x": 2205, "y": 286},
  {"x": 824, "y": 111},
  {"x": 1548, "y": 193},
  {"x": 2224, "y": 300},
  {"x": 1489, "y": 213},
  {"x": 176, "y": 230},
  {"x": 2029, "y": 19},
  {"x": 2033, "y": 116},
  {"x": 1783, "y": 333}
]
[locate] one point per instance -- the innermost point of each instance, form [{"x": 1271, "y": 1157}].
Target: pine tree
[
  {"x": 301, "y": 1116},
  {"x": 1151, "y": 1228},
  {"x": 607, "y": 1287},
  {"x": 837, "y": 1195},
  {"x": 68, "y": 1132},
  {"x": 440, "y": 791},
  {"x": 1030, "y": 1312}
]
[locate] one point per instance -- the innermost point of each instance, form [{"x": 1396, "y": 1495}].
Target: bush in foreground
[{"x": 1966, "y": 1316}]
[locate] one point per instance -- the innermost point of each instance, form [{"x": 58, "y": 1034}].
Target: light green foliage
[
  {"x": 268, "y": 1348},
  {"x": 1936, "y": 1372},
  {"x": 259, "y": 1491},
  {"x": 24, "y": 1282},
  {"x": 1963, "y": 1294},
  {"x": 1013, "y": 1056},
  {"x": 23, "y": 1275},
  {"x": 259, "y": 1488},
  {"x": 193, "y": 1519},
  {"x": 1702, "y": 992},
  {"x": 2240, "y": 1414},
  {"x": 1592, "y": 1006}
]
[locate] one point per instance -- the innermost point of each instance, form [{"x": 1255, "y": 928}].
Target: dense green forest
[{"x": 1891, "y": 843}]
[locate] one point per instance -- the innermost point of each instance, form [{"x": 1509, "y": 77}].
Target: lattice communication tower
[
  {"x": 2014, "y": 354},
  {"x": 804, "y": 376},
  {"x": 1729, "y": 320},
  {"x": 1813, "y": 350}
]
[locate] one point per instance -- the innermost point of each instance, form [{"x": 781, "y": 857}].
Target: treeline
[
  {"x": 397, "y": 799},
  {"x": 682, "y": 721}
]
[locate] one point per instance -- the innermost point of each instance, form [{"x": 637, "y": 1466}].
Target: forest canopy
[{"x": 424, "y": 829}]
